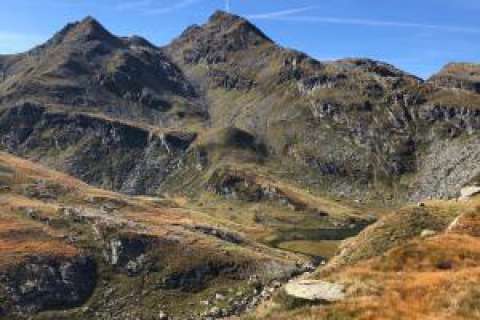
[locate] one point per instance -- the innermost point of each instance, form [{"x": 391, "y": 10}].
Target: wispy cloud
[
  {"x": 362, "y": 22},
  {"x": 149, "y": 7},
  {"x": 281, "y": 13},
  {"x": 13, "y": 42}
]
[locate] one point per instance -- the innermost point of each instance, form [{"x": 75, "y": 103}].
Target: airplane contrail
[
  {"x": 280, "y": 13},
  {"x": 291, "y": 15},
  {"x": 365, "y": 22}
]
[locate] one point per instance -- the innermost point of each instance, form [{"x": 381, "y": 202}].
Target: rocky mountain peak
[
  {"x": 221, "y": 16},
  {"x": 233, "y": 24},
  {"x": 88, "y": 29},
  {"x": 91, "y": 23},
  {"x": 212, "y": 42}
]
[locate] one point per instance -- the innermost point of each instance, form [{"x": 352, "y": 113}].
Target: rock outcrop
[
  {"x": 48, "y": 283},
  {"x": 315, "y": 290},
  {"x": 107, "y": 153},
  {"x": 469, "y": 192}
]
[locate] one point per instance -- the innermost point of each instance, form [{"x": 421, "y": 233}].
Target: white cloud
[
  {"x": 281, "y": 13},
  {"x": 12, "y": 42},
  {"x": 365, "y": 22}
]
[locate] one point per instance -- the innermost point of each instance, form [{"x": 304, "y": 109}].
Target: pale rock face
[
  {"x": 316, "y": 290},
  {"x": 469, "y": 192},
  {"x": 116, "y": 247},
  {"x": 427, "y": 233}
]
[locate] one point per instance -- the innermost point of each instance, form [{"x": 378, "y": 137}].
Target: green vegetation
[{"x": 319, "y": 248}]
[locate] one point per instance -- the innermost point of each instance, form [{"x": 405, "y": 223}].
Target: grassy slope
[
  {"x": 180, "y": 249},
  {"x": 391, "y": 272}
]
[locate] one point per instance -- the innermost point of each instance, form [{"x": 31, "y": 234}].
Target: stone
[
  {"x": 315, "y": 290},
  {"x": 162, "y": 316},
  {"x": 116, "y": 246},
  {"x": 469, "y": 192},
  {"x": 427, "y": 233},
  {"x": 215, "y": 311}
]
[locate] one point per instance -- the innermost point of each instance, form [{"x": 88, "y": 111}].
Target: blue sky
[{"x": 419, "y": 36}]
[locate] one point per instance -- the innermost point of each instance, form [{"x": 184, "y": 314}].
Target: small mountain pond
[{"x": 318, "y": 243}]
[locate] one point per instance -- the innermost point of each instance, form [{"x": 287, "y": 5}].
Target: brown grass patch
[{"x": 20, "y": 239}]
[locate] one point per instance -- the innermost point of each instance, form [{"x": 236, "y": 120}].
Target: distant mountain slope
[
  {"x": 354, "y": 127},
  {"x": 86, "y": 68},
  {"x": 101, "y": 151},
  {"x": 352, "y": 122}
]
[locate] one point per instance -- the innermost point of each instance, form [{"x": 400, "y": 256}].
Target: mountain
[
  {"x": 354, "y": 127},
  {"x": 86, "y": 68},
  {"x": 215, "y": 154},
  {"x": 352, "y": 122}
]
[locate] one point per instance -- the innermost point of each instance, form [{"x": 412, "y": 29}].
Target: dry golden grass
[
  {"x": 431, "y": 278},
  {"x": 20, "y": 239},
  {"x": 26, "y": 170},
  {"x": 456, "y": 98},
  {"x": 410, "y": 295},
  {"x": 469, "y": 222},
  {"x": 402, "y": 295}
]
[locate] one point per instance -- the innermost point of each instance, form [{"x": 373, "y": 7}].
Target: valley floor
[{"x": 101, "y": 255}]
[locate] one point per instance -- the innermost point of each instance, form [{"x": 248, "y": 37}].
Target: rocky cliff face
[
  {"x": 44, "y": 283},
  {"x": 102, "y": 152}
]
